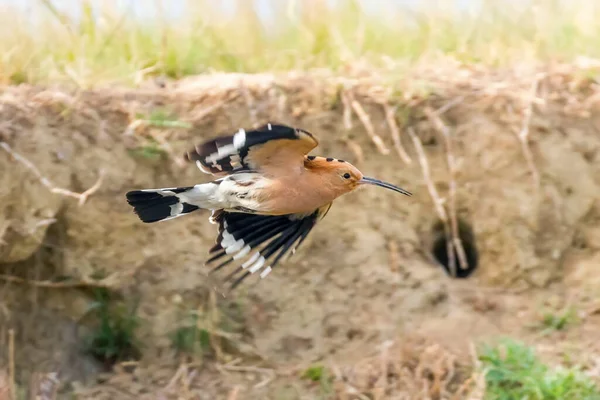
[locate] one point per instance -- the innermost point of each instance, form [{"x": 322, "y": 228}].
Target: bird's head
[{"x": 344, "y": 177}]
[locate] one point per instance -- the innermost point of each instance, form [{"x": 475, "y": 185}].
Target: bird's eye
[{"x": 346, "y": 175}]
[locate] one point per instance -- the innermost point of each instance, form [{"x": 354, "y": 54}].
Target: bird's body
[{"x": 269, "y": 198}]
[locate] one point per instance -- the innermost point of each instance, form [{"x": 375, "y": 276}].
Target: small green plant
[
  {"x": 513, "y": 371},
  {"x": 113, "y": 339},
  {"x": 209, "y": 330},
  {"x": 314, "y": 373},
  {"x": 190, "y": 338},
  {"x": 18, "y": 77},
  {"x": 150, "y": 151},
  {"x": 163, "y": 119},
  {"x": 319, "y": 374},
  {"x": 559, "y": 321}
]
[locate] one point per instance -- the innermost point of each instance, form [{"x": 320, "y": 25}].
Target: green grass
[
  {"x": 190, "y": 338},
  {"x": 163, "y": 119},
  {"x": 209, "y": 331},
  {"x": 113, "y": 339},
  {"x": 150, "y": 151},
  {"x": 118, "y": 48},
  {"x": 559, "y": 321},
  {"x": 513, "y": 372},
  {"x": 319, "y": 375},
  {"x": 149, "y": 148},
  {"x": 314, "y": 373}
]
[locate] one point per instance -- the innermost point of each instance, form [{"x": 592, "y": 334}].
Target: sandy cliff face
[{"x": 346, "y": 285}]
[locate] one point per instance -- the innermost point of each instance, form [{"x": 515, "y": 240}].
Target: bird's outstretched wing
[
  {"x": 260, "y": 240},
  {"x": 270, "y": 148}
]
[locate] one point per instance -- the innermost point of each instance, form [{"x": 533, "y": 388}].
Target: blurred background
[
  {"x": 114, "y": 40},
  {"x": 487, "y": 111}
]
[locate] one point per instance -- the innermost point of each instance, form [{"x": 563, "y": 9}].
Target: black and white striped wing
[
  {"x": 270, "y": 146},
  {"x": 258, "y": 242}
]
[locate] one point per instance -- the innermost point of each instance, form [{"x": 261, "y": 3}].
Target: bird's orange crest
[{"x": 339, "y": 175}]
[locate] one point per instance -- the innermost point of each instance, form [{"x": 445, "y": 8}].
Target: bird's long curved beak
[{"x": 372, "y": 181}]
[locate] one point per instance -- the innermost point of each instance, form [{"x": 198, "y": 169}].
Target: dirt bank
[{"x": 366, "y": 274}]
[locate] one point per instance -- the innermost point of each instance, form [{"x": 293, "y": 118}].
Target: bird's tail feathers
[{"x": 153, "y": 205}]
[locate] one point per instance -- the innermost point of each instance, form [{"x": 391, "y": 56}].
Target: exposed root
[
  {"x": 366, "y": 121},
  {"x": 184, "y": 376},
  {"x": 140, "y": 124},
  {"x": 162, "y": 140},
  {"x": 394, "y": 258},
  {"x": 451, "y": 162},
  {"x": 395, "y": 131},
  {"x": 356, "y": 150},
  {"x": 133, "y": 127},
  {"x": 176, "y": 377},
  {"x": 449, "y": 105},
  {"x": 241, "y": 368},
  {"x": 101, "y": 283},
  {"x": 81, "y": 197},
  {"x": 11, "y": 364},
  {"x": 267, "y": 373},
  {"x": 31, "y": 231},
  {"x": 205, "y": 112},
  {"x": 523, "y": 134},
  {"x": 438, "y": 202},
  {"x": 347, "y": 114}
]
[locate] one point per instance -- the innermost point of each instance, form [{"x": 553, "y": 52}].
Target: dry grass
[
  {"x": 106, "y": 44},
  {"x": 412, "y": 367}
]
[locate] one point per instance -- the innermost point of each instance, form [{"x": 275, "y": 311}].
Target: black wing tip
[
  {"x": 135, "y": 197},
  {"x": 153, "y": 206},
  {"x": 269, "y": 238}
]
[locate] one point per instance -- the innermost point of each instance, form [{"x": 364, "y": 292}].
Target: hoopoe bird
[{"x": 268, "y": 196}]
